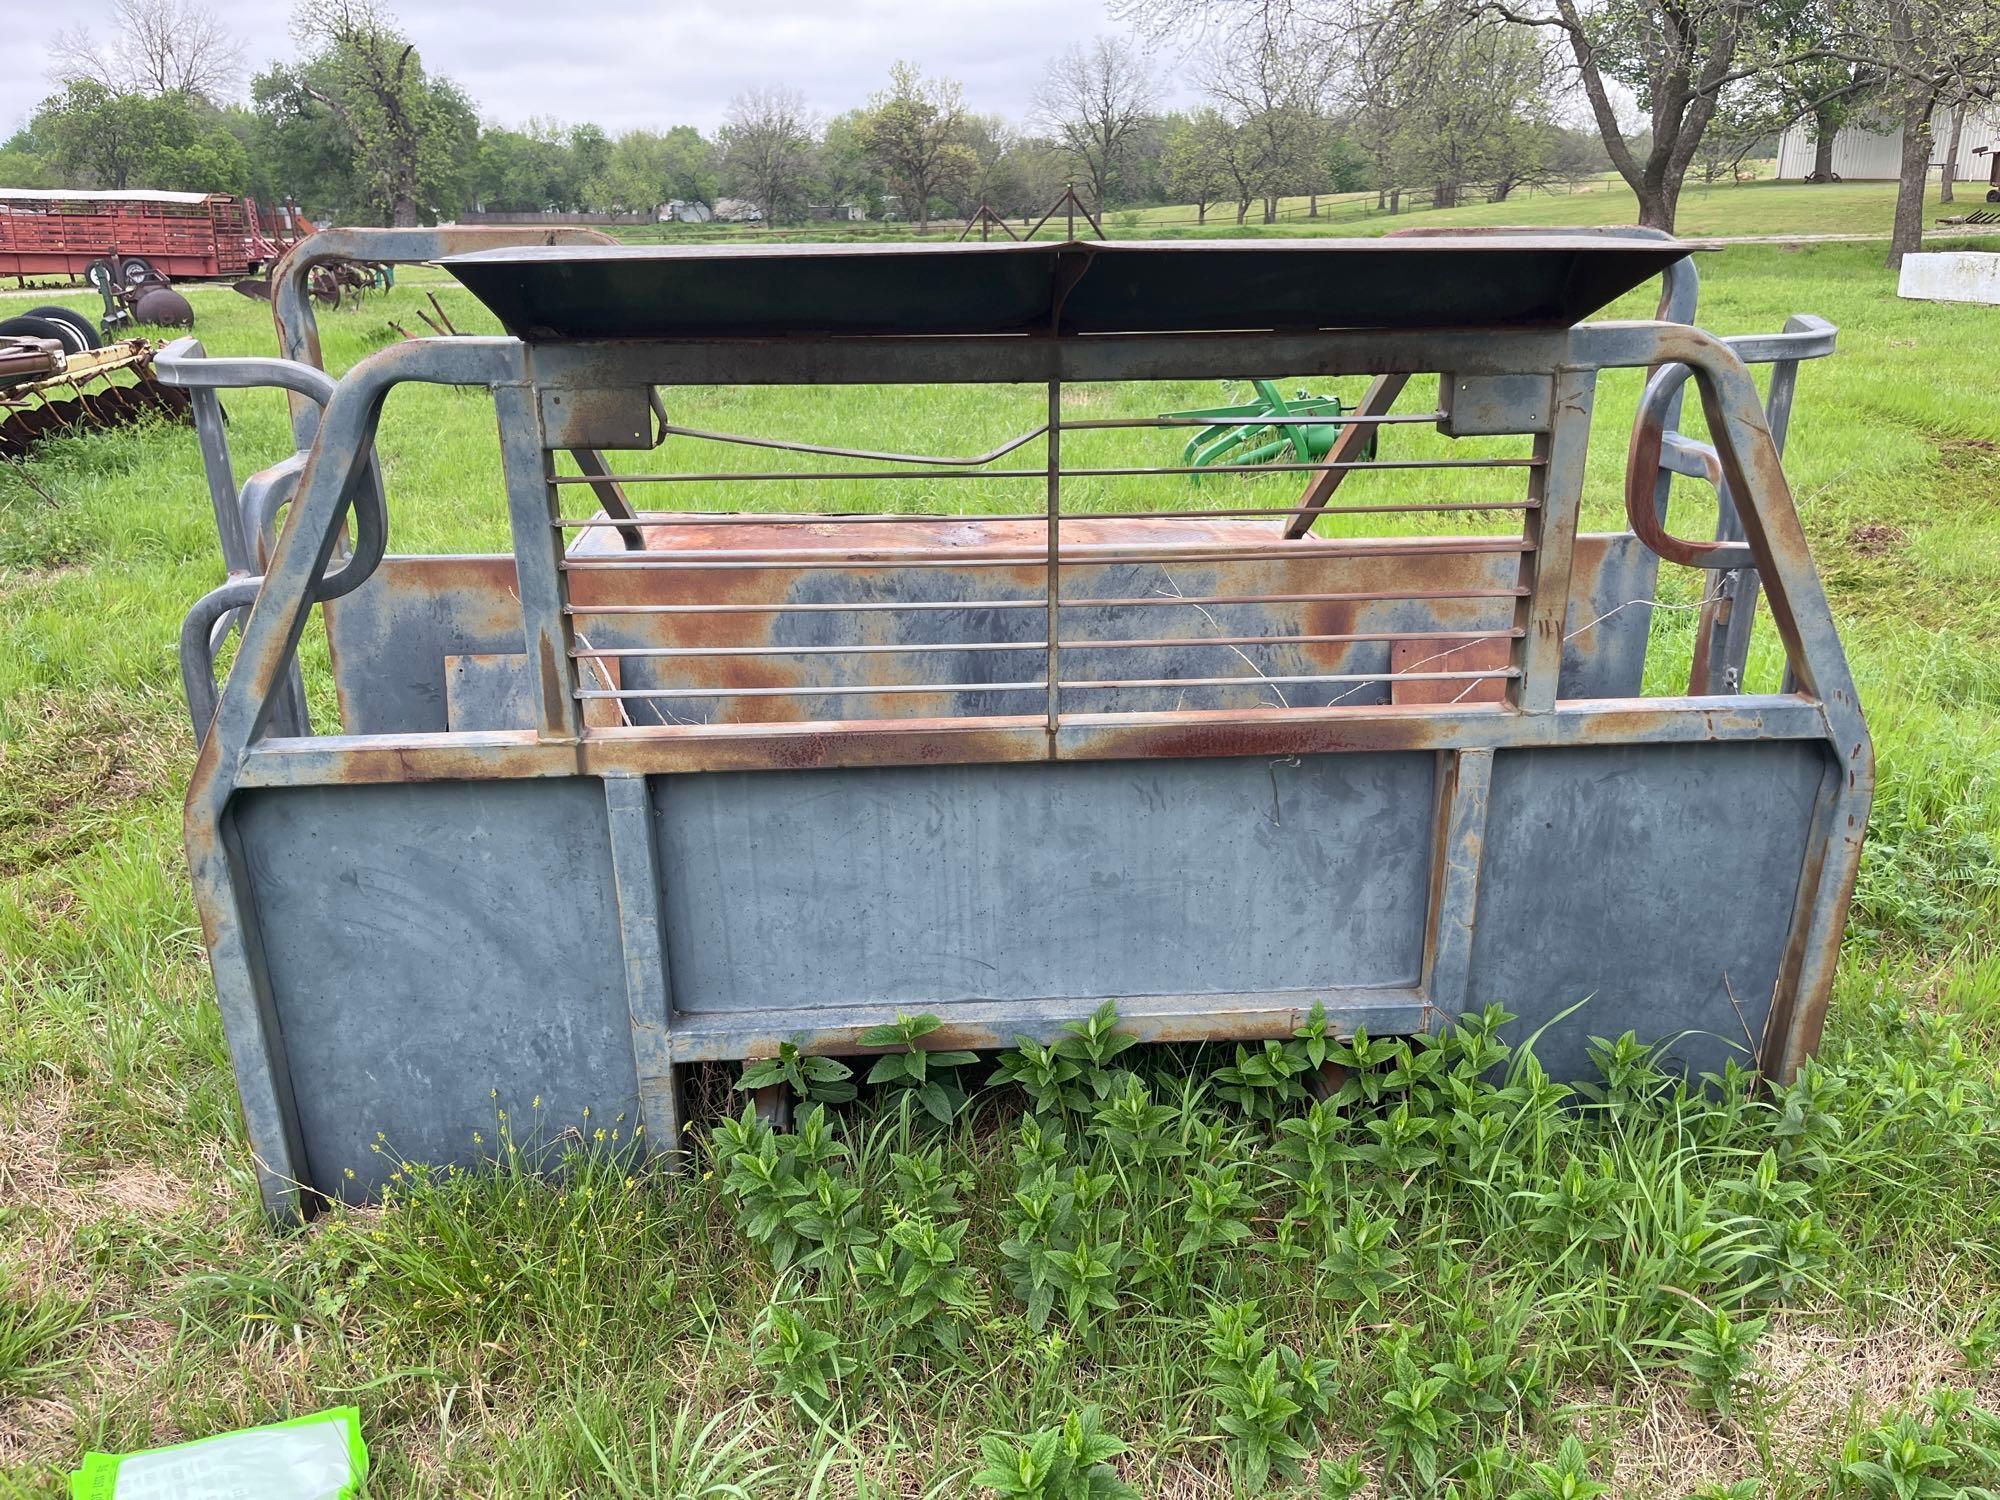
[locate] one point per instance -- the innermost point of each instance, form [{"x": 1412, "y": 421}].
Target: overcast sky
[{"x": 653, "y": 63}]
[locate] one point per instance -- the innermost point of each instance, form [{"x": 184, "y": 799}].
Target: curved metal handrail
[{"x": 1655, "y": 449}]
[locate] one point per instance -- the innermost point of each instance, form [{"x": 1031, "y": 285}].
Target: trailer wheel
[
  {"x": 138, "y": 271},
  {"x": 70, "y": 318},
  {"x": 1993, "y": 195}
]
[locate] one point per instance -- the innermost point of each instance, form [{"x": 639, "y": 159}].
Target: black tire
[
  {"x": 1993, "y": 195},
  {"x": 29, "y": 327},
  {"x": 136, "y": 270},
  {"x": 86, "y": 330}
]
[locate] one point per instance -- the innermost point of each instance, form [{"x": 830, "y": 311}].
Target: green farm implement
[{"x": 1269, "y": 429}]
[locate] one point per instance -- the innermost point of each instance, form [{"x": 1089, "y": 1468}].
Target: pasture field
[
  {"x": 1725, "y": 209},
  {"x": 1440, "y": 1286}
]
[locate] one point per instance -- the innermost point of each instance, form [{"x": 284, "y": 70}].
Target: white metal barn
[{"x": 1862, "y": 154}]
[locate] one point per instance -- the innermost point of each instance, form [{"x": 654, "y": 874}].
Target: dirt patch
[
  {"x": 1815, "y": 1378},
  {"x": 1875, "y": 538}
]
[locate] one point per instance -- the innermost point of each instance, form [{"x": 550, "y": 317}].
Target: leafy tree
[
  {"x": 767, "y": 144},
  {"x": 915, "y": 132},
  {"x": 1470, "y": 104},
  {"x": 1096, "y": 101},
  {"x": 1930, "y": 53},
  {"x": 173, "y": 142},
  {"x": 1198, "y": 151},
  {"x": 1275, "y": 89},
  {"x": 646, "y": 168},
  {"x": 413, "y": 139}
]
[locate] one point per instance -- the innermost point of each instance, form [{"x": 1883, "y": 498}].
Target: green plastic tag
[{"x": 320, "y": 1457}]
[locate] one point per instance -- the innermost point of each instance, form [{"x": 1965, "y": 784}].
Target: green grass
[{"x": 613, "y": 1333}]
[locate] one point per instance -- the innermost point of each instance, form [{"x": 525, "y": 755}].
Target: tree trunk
[
  {"x": 1270, "y": 209},
  {"x": 1951, "y": 153},
  {"x": 1908, "y": 235},
  {"x": 1396, "y": 200},
  {"x": 1825, "y": 132},
  {"x": 1313, "y": 211},
  {"x": 1242, "y": 210},
  {"x": 1657, "y": 205},
  {"x": 1201, "y": 213},
  {"x": 403, "y": 211}
]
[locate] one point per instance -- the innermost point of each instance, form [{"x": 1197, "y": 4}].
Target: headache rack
[{"x": 680, "y": 784}]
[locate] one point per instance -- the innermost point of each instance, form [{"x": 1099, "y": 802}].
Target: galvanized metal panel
[
  {"x": 921, "y": 886},
  {"x": 436, "y": 954},
  {"x": 1652, "y": 883}
]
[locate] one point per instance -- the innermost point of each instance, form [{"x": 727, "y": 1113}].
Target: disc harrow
[{"x": 45, "y": 391}]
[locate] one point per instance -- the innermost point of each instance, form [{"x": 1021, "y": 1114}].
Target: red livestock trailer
[{"x": 60, "y": 232}]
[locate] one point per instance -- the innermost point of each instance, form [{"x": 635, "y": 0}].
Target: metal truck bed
[{"x": 671, "y": 785}]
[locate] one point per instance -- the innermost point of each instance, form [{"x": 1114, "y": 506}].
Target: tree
[
  {"x": 1095, "y": 100},
  {"x": 1198, "y": 151},
  {"x": 646, "y": 169},
  {"x": 157, "y": 47},
  {"x": 1274, "y": 89},
  {"x": 413, "y": 138},
  {"x": 172, "y": 143},
  {"x": 1931, "y": 54},
  {"x": 1674, "y": 56},
  {"x": 1470, "y": 106},
  {"x": 914, "y": 130},
  {"x": 767, "y": 147}
]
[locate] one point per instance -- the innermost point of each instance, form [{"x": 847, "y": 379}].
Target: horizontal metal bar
[
  {"x": 866, "y": 690},
  {"x": 712, "y": 1036},
  {"x": 1297, "y": 551},
  {"x": 1148, "y": 601},
  {"x": 784, "y": 446},
  {"x": 889, "y": 518},
  {"x": 1116, "y": 472},
  {"x": 1302, "y": 678},
  {"x": 491, "y": 755},
  {"x": 1036, "y": 359},
  {"x": 1108, "y": 424},
  {"x": 851, "y": 690},
  {"x": 932, "y": 647}
]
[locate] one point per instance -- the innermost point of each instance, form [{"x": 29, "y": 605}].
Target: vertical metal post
[
  {"x": 1053, "y": 588},
  {"x": 532, "y": 507},
  {"x": 1465, "y": 787},
  {"x": 1555, "y": 486},
  {"x": 636, "y": 877}
]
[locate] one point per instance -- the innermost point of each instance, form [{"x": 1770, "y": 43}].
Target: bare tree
[
  {"x": 157, "y": 47},
  {"x": 767, "y": 142},
  {"x": 1675, "y": 56},
  {"x": 1094, "y": 100}
]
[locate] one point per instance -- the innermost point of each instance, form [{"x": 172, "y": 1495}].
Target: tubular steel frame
[{"x": 241, "y": 751}]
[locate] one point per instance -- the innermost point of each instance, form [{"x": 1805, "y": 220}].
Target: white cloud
[{"x": 654, "y": 63}]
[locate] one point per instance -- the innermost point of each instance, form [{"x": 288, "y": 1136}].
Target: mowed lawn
[
  {"x": 1656, "y": 1289},
  {"x": 1725, "y": 209}
]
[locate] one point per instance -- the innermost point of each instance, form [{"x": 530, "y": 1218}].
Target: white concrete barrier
[{"x": 1952, "y": 276}]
